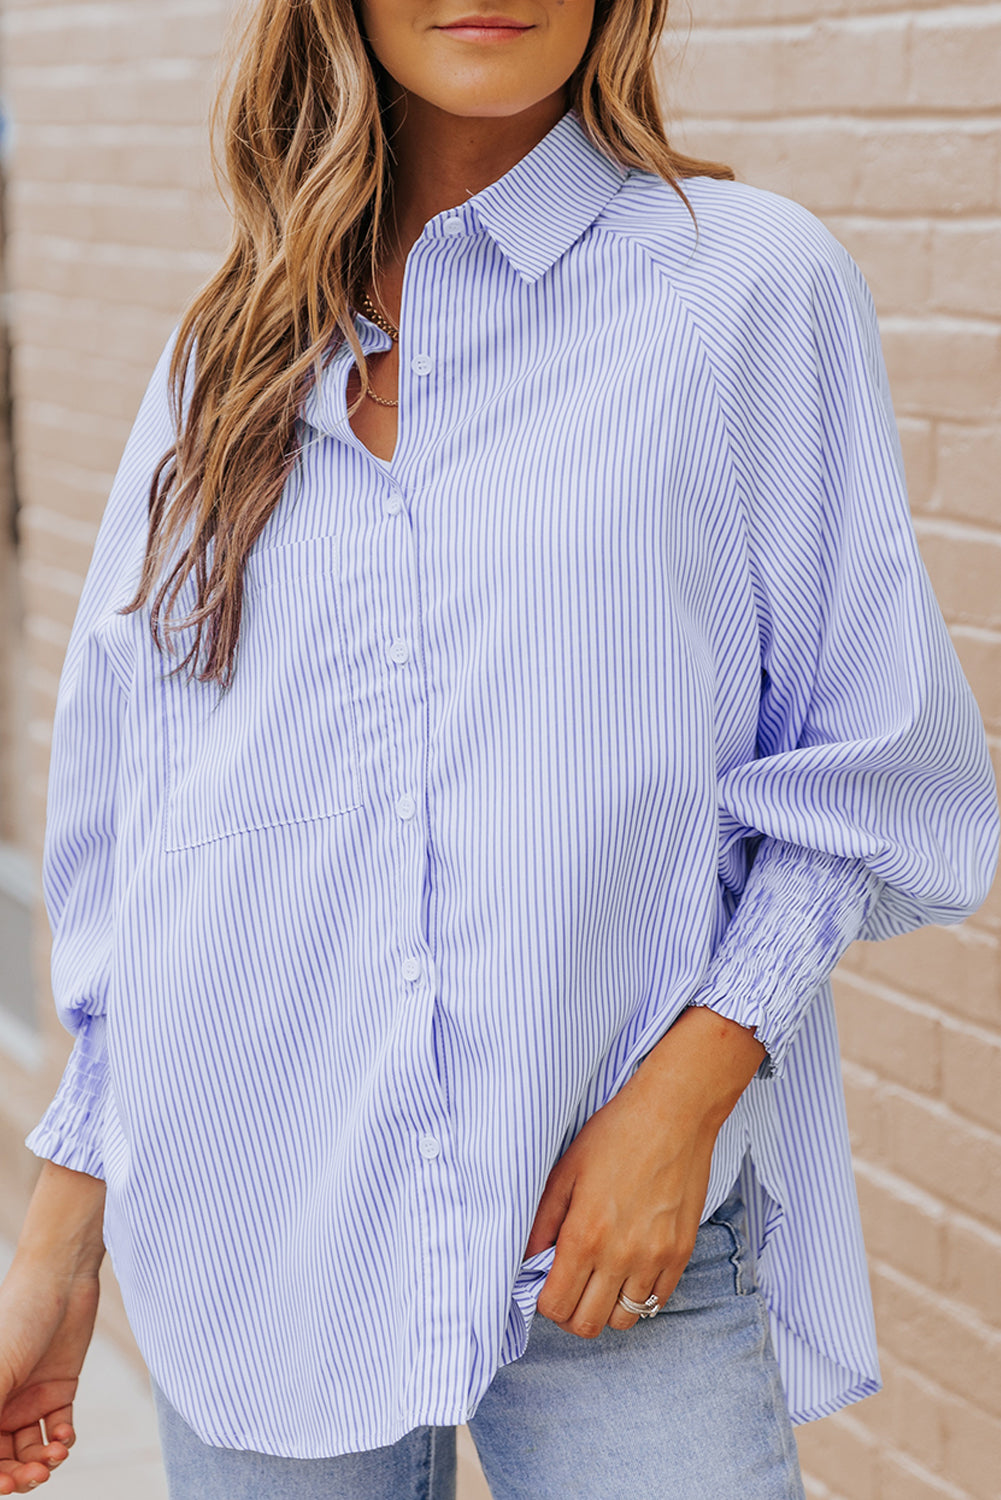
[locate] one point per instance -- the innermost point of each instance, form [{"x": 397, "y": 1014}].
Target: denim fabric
[{"x": 685, "y": 1406}]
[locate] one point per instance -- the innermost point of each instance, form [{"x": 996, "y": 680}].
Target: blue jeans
[{"x": 685, "y": 1406}]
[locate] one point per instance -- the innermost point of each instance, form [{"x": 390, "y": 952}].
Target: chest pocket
[{"x": 280, "y": 745}]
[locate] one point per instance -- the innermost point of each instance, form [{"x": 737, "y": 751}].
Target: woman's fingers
[
  {"x": 639, "y": 1289},
  {"x": 30, "y": 1449},
  {"x": 18, "y": 1478},
  {"x": 582, "y": 1296},
  {"x": 26, "y": 1460},
  {"x": 59, "y": 1425},
  {"x": 568, "y": 1276},
  {"x": 596, "y": 1306},
  {"x": 552, "y": 1210}
]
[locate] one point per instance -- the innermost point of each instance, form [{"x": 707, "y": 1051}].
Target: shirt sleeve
[
  {"x": 799, "y": 912},
  {"x": 71, "y": 1130},
  {"x": 78, "y": 865},
  {"x": 870, "y": 745}
]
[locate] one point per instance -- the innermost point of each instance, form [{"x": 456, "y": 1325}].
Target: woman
[{"x": 520, "y": 687}]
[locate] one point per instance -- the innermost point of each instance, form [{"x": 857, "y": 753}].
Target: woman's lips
[{"x": 485, "y": 33}]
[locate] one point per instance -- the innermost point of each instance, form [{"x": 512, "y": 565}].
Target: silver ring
[{"x": 648, "y": 1309}]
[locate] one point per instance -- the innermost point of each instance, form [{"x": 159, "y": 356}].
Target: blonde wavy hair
[{"x": 307, "y": 165}]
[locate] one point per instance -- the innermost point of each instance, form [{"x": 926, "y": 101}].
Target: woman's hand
[
  {"x": 48, "y": 1303},
  {"x": 624, "y": 1201},
  {"x": 46, "y": 1322}
]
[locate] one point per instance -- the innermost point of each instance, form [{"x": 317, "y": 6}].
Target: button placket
[
  {"x": 405, "y": 688},
  {"x": 404, "y": 749}
]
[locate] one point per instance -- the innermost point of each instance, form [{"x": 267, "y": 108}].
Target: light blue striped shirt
[{"x": 353, "y": 951}]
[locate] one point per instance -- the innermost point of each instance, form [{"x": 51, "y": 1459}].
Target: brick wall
[
  {"x": 112, "y": 222},
  {"x": 884, "y": 120}
]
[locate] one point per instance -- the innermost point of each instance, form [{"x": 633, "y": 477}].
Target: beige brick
[
  {"x": 42, "y": 686},
  {"x": 938, "y": 1338},
  {"x": 745, "y": 71},
  {"x": 121, "y": 278},
  {"x": 729, "y": 12},
  {"x": 104, "y": 387},
  {"x": 172, "y": 158},
  {"x": 918, "y": 439},
  {"x": 814, "y": 164},
  {"x": 964, "y": 275},
  {"x": 55, "y": 604},
  {"x": 722, "y": 73},
  {"x": 842, "y": 65},
  {"x": 49, "y": 656},
  {"x": 116, "y": 34},
  {"x": 157, "y": 93},
  {"x": 971, "y": 1072},
  {"x": 71, "y": 494},
  {"x": 889, "y": 1033},
  {"x": 942, "y": 1152},
  {"x": 956, "y": 969},
  {"x": 964, "y": 564},
  {"x": 815, "y": 1489},
  {"x": 96, "y": 211},
  {"x": 972, "y": 1274},
  {"x": 972, "y": 1444},
  {"x": 990, "y": 914},
  {"x": 902, "y": 1225},
  {"x": 943, "y": 367},
  {"x": 968, "y": 481},
  {"x": 74, "y": 325},
  {"x": 918, "y": 167},
  {"x": 900, "y": 1478},
  {"x": 895, "y": 257},
  {"x": 979, "y": 652},
  {"x": 866, "y": 1109},
  {"x": 69, "y": 435},
  {"x": 954, "y": 58},
  {"x": 910, "y": 1413},
  {"x": 62, "y": 552},
  {"x": 841, "y": 1447}
]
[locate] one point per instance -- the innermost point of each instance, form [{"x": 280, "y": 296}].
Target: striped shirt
[{"x": 353, "y": 950}]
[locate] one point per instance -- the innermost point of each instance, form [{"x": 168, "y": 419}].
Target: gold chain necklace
[{"x": 370, "y": 310}]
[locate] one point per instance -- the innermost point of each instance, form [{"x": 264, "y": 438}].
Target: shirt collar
[
  {"x": 534, "y": 213},
  {"x": 545, "y": 202}
]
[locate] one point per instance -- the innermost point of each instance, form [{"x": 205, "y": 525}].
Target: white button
[
  {"x": 429, "y": 1147},
  {"x": 399, "y": 651},
  {"x": 410, "y": 968},
  {"x": 452, "y": 226},
  {"x": 393, "y": 503},
  {"x": 406, "y": 806},
  {"x": 422, "y": 364}
]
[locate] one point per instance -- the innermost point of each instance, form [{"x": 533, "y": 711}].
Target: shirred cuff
[
  {"x": 800, "y": 910},
  {"x": 71, "y": 1131}
]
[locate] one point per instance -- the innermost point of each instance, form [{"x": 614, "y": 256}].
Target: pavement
[{"x": 117, "y": 1452}]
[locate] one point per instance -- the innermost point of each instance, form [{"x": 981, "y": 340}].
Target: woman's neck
[{"x": 441, "y": 160}]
